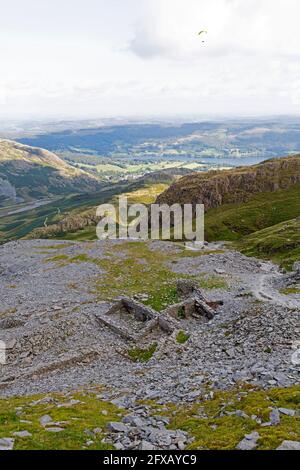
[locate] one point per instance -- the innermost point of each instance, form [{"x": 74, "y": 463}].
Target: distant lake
[{"x": 232, "y": 161}]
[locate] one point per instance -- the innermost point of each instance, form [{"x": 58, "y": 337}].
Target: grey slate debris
[
  {"x": 287, "y": 411},
  {"x": 117, "y": 427},
  {"x": 275, "y": 417},
  {"x": 249, "y": 442},
  {"x": 289, "y": 445},
  {"x": 146, "y": 432},
  {"x": 57, "y": 344},
  {"x": 6, "y": 443}
]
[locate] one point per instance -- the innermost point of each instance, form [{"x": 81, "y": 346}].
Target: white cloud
[
  {"x": 99, "y": 58},
  {"x": 169, "y": 28}
]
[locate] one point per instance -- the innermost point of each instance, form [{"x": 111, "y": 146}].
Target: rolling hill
[{"x": 28, "y": 173}]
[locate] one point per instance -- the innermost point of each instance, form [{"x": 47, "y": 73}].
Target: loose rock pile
[{"x": 139, "y": 431}]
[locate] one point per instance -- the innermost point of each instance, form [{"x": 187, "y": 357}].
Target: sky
[{"x": 127, "y": 58}]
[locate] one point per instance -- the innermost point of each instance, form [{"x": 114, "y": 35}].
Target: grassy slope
[
  {"x": 206, "y": 420},
  {"x": 266, "y": 226},
  {"x": 212, "y": 429},
  {"x": 233, "y": 221},
  {"x": 281, "y": 243}
]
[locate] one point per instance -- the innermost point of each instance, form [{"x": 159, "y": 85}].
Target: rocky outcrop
[
  {"x": 7, "y": 190},
  {"x": 69, "y": 224},
  {"x": 216, "y": 188}
]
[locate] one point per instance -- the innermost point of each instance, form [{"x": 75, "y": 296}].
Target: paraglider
[{"x": 202, "y": 32}]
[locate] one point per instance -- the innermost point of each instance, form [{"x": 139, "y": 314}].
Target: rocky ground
[{"x": 49, "y": 321}]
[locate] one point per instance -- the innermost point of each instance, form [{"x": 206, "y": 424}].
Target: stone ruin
[
  {"x": 134, "y": 321},
  {"x": 193, "y": 303}
]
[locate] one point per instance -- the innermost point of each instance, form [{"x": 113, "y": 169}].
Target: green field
[{"x": 139, "y": 168}]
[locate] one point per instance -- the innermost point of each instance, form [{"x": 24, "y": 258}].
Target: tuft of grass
[
  {"x": 58, "y": 246},
  {"x": 142, "y": 354},
  {"x": 196, "y": 254},
  {"x": 182, "y": 337},
  {"x": 290, "y": 290},
  {"x": 57, "y": 258}
]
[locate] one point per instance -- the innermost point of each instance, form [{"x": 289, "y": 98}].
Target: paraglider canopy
[{"x": 202, "y": 32}]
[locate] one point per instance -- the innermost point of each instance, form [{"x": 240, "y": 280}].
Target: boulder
[
  {"x": 46, "y": 419},
  {"x": 7, "y": 443},
  {"x": 289, "y": 445},
  {"x": 249, "y": 442},
  {"x": 115, "y": 426},
  {"x": 275, "y": 417},
  {"x": 22, "y": 434}
]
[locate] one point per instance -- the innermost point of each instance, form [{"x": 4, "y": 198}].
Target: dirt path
[{"x": 263, "y": 288}]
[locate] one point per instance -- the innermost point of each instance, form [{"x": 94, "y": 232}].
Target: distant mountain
[
  {"x": 205, "y": 139},
  {"x": 28, "y": 173}
]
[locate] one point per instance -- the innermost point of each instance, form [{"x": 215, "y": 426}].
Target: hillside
[
  {"x": 280, "y": 242},
  {"x": 73, "y": 216},
  {"x": 257, "y": 208},
  {"x": 233, "y": 221},
  {"x": 216, "y": 188},
  {"x": 28, "y": 173}
]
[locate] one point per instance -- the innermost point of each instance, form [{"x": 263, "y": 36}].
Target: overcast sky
[{"x": 97, "y": 58}]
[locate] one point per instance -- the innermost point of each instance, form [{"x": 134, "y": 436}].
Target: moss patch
[
  {"x": 290, "y": 290},
  {"x": 142, "y": 354},
  {"x": 182, "y": 337}
]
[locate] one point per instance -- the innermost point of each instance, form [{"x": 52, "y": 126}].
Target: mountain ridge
[
  {"x": 215, "y": 188},
  {"x": 28, "y": 173}
]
